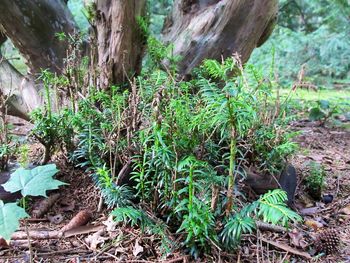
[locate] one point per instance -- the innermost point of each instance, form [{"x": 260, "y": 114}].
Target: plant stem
[
  {"x": 190, "y": 190},
  {"x": 231, "y": 179}
]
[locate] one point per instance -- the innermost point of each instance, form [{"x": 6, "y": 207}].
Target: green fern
[{"x": 270, "y": 207}]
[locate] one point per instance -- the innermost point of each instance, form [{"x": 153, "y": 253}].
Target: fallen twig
[
  {"x": 45, "y": 205},
  {"x": 180, "y": 259},
  {"x": 29, "y": 244},
  {"x": 36, "y": 234},
  {"x": 287, "y": 248},
  {"x": 82, "y": 230},
  {"x": 268, "y": 227}
]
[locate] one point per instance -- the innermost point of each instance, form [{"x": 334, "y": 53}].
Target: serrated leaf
[
  {"x": 10, "y": 214},
  {"x": 34, "y": 182}
]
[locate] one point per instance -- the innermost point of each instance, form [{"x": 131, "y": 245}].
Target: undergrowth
[{"x": 168, "y": 154}]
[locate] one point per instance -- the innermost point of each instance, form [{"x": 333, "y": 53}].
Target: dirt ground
[{"x": 104, "y": 241}]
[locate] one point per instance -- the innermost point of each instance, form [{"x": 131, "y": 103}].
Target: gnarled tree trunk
[
  {"x": 32, "y": 26},
  {"x": 216, "y": 29},
  {"x": 23, "y": 97},
  {"x": 198, "y": 29},
  {"x": 120, "y": 39}
]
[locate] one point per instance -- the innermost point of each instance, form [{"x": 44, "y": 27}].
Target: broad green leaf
[
  {"x": 10, "y": 214},
  {"x": 33, "y": 182},
  {"x": 324, "y": 104},
  {"x": 316, "y": 114}
]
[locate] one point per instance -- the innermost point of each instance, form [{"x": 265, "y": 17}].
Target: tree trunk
[
  {"x": 32, "y": 26},
  {"x": 23, "y": 97},
  {"x": 216, "y": 29},
  {"x": 120, "y": 39}
]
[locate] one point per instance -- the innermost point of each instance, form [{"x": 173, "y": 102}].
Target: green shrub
[{"x": 315, "y": 181}]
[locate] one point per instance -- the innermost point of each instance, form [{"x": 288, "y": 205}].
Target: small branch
[
  {"x": 287, "y": 248},
  {"x": 268, "y": 227},
  {"x": 29, "y": 243},
  {"x": 36, "y": 234}
]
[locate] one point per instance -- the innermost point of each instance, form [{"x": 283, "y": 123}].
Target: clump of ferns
[
  {"x": 269, "y": 140},
  {"x": 98, "y": 123},
  {"x": 189, "y": 151},
  {"x": 229, "y": 109}
]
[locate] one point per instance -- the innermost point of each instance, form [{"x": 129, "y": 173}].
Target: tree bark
[
  {"x": 23, "y": 97},
  {"x": 215, "y": 29},
  {"x": 32, "y": 27},
  {"x": 120, "y": 39}
]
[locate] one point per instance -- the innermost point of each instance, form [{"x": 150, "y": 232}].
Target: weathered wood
[
  {"x": 32, "y": 26},
  {"x": 120, "y": 39},
  {"x": 200, "y": 29},
  {"x": 23, "y": 96}
]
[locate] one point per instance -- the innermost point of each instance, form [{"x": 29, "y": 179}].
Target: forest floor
[{"x": 101, "y": 240}]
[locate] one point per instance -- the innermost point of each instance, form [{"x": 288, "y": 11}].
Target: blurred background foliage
[{"x": 311, "y": 33}]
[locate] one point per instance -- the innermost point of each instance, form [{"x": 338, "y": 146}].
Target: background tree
[
  {"x": 313, "y": 34},
  {"x": 197, "y": 30},
  {"x": 216, "y": 28}
]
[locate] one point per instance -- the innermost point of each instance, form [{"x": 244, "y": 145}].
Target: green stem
[
  {"x": 190, "y": 190},
  {"x": 231, "y": 179}
]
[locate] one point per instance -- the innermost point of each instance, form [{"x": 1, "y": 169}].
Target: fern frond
[
  {"x": 234, "y": 228},
  {"x": 273, "y": 209}
]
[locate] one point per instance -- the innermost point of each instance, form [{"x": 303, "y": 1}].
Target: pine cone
[{"x": 327, "y": 241}]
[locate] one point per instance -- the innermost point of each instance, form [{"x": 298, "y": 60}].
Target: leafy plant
[
  {"x": 52, "y": 129},
  {"x": 322, "y": 111},
  {"x": 8, "y": 142},
  {"x": 270, "y": 207},
  {"x": 315, "y": 181},
  {"x": 136, "y": 217},
  {"x": 185, "y": 142},
  {"x": 23, "y": 158},
  {"x": 31, "y": 182},
  {"x": 10, "y": 214}
]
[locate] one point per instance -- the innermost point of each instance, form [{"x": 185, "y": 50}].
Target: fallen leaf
[
  {"x": 309, "y": 211},
  {"x": 110, "y": 224},
  {"x": 297, "y": 239},
  {"x": 287, "y": 248},
  {"x": 313, "y": 224},
  {"x": 345, "y": 210},
  {"x": 96, "y": 239},
  {"x": 316, "y": 157},
  {"x": 137, "y": 249}
]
